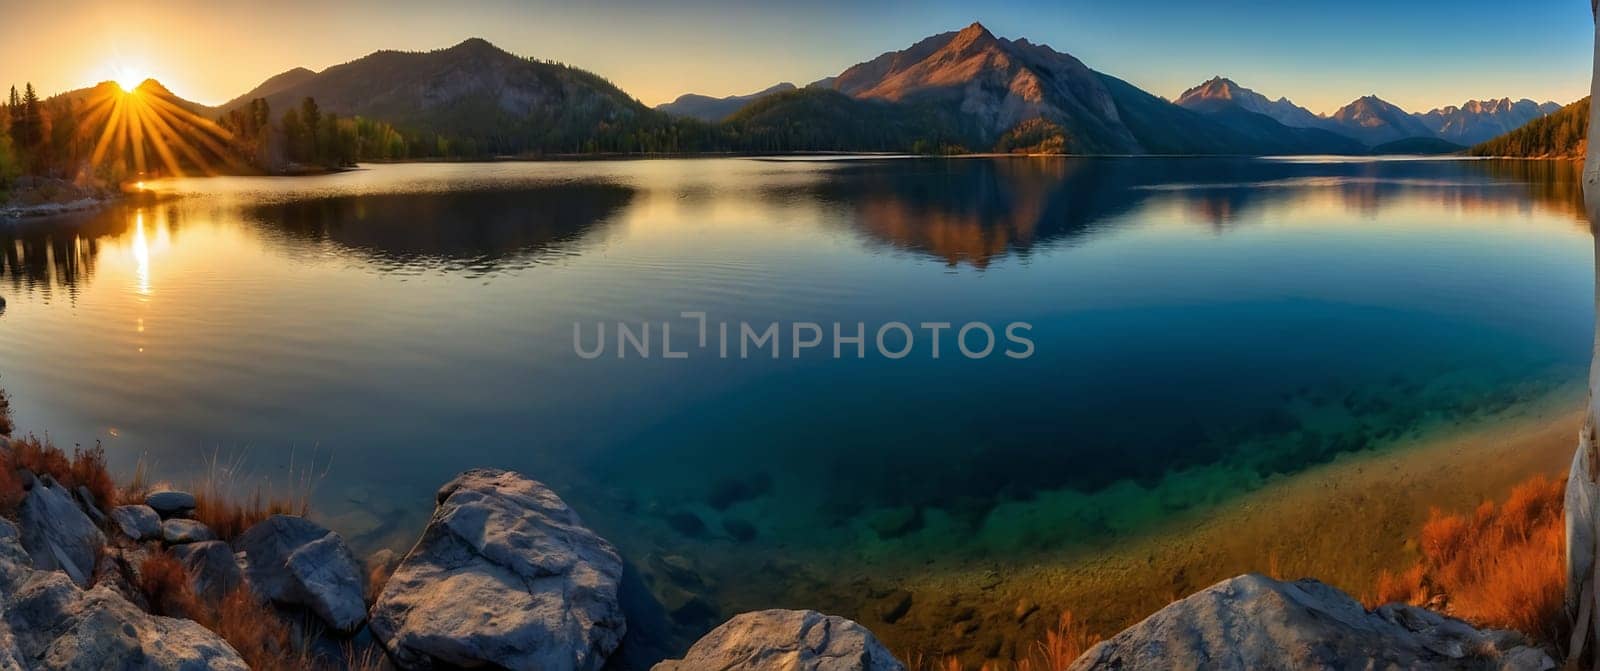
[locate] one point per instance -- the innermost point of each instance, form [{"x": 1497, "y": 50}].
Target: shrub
[
  {"x": 1500, "y": 567},
  {"x": 86, "y": 467}
]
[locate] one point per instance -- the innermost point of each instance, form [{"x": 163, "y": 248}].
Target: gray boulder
[
  {"x": 178, "y": 531},
  {"x": 47, "y": 622},
  {"x": 170, "y": 503},
  {"x": 55, "y": 532},
  {"x": 1255, "y": 622},
  {"x": 796, "y": 640},
  {"x": 138, "y": 522},
  {"x": 293, "y": 561},
  {"x": 505, "y": 576},
  {"x": 213, "y": 571}
]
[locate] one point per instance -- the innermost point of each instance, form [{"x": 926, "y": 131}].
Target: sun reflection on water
[{"x": 141, "y": 254}]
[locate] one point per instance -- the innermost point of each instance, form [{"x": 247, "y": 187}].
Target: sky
[{"x": 1419, "y": 54}]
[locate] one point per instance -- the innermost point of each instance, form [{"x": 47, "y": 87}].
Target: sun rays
[{"x": 141, "y": 129}]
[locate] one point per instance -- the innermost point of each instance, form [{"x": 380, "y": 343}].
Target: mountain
[
  {"x": 707, "y": 108},
  {"x": 1220, "y": 91},
  {"x": 1481, "y": 120},
  {"x": 273, "y": 84},
  {"x": 1563, "y": 134},
  {"x": 476, "y": 95},
  {"x": 999, "y": 84},
  {"x": 1280, "y": 124},
  {"x": 109, "y": 90},
  {"x": 1013, "y": 95},
  {"x": 1374, "y": 121}
]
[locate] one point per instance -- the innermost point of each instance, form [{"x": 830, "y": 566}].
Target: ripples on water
[{"x": 1202, "y": 325}]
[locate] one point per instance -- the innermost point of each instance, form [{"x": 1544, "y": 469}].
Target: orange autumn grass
[
  {"x": 262, "y": 639},
  {"x": 1063, "y": 644},
  {"x": 218, "y": 507},
  {"x": 1500, "y": 566}
]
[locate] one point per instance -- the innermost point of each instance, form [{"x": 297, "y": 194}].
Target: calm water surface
[{"x": 1201, "y": 326}]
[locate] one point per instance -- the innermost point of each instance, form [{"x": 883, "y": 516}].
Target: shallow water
[{"x": 1200, "y": 326}]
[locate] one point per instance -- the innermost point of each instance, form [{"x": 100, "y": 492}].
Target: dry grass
[
  {"x": 227, "y": 516},
  {"x": 86, "y": 467},
  {"x": 1500, "y": 566},
  {"x": 165, "y": 584},
  {"x": 262, "y": 639},
  {"x": 1063, "y": 644},
  {"x": 6, "y": 425}
]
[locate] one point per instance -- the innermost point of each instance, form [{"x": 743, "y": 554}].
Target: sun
[{"x": 128, "y": 77}]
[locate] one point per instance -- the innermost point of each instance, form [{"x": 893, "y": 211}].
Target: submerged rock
[
  {"x": 47, "y": 622},
  {"x": 1254, "y": 622},
  {"x": 170, "y": 503},
  {"x": 504, "y": 576},
  {"x": 55, "y": 532},
  {"x": 138, "y": 522},
  {"x": 293, "y": 561},
  {"x": 178, "y": 531},
  {"x": 794, "y": 640}
]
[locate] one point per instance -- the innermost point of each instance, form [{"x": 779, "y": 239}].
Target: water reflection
[
  {"x": 46, "y": 257},
  {"x": 976, "y": 211},
  {"x": 475, "y": 232}
]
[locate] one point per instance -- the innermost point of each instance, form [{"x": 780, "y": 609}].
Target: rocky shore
[
  {"x": 505, "y": 575},
  {"x": 46, "y": 196}
]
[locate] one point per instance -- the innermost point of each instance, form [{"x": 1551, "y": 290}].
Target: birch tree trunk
[{"x": 1583, "y": 482}]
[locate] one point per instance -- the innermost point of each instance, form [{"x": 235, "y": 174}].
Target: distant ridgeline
[
  {"x": 1560, "y": 135},
  {"x": 956, "y": 92}
]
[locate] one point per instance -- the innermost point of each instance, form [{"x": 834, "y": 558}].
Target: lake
[{"x": 1199, "y": 327}]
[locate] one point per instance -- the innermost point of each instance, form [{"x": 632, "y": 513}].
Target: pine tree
[{"x": 32, "y": 119}]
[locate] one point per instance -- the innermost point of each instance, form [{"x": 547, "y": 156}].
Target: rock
[
  {"x": 212, "y": 568},
  {"x": 687, "y": 523},
  {"x": 895, "y": 606},
  {"x": 1025, "y": 607},
  {"x": 55, "y": 532},
  {"x": 171, "y": 503},
  {"x": 739, "y": 530},
  {"x": 138, "y": 522},
  {"x": 47, "y": 622},
  {"x": 793, "y": 640},
  {"x": 177, "y": 531},
  {"x": 677, "y": 568},
  {"x": 293, "y": 561},
  {"x": 1254, "y": 622},
  {"x": 504, "y": 576},
  {"x": 90, "y": 506},
  {"x": 895, "y": 522}
]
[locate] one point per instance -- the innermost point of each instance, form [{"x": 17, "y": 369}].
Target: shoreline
[{"x": 1340, "y": 523}]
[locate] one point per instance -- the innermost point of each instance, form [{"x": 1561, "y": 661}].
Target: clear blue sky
[{"x": 1417, "y": 53}]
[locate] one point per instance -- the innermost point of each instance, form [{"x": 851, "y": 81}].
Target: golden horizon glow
[{"x": 128, "y": 77}]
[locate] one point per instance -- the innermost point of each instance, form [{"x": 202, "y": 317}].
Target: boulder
[
  {"x": 505, "y": 576},
  {"x": 293, "y": 561},
  {"x": 170, "y": 503},
  {"x": 90, "y": 506},
  {"x": 138, "y": 522},
  {"x": 55, "y": 532},
  {"x": 47, "y": 622},
  {"x": 795, "y": 640},
  {"x": 213, "y": 571},
  {"x": 177, "y": 531},
  {"x": 1255, "y": 622}
]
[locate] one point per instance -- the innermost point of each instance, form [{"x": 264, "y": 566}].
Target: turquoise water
[{"x": 1200, "y": 326}]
